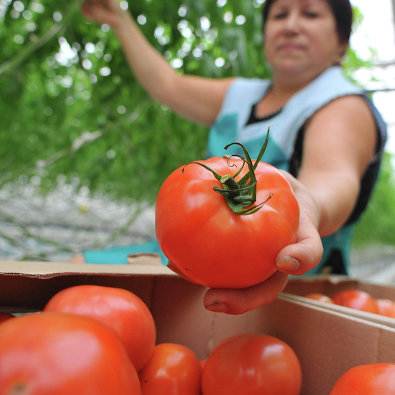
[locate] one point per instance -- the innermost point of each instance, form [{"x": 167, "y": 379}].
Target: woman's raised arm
[{"x": 196, "y": 98}]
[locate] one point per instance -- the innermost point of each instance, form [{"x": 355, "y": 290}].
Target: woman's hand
[
  {"x": 306, "y": 253},
  {"x": 103, "y": 11},
  {"x": 295, "y": 259},
  {"x": 238, "y": 301}
]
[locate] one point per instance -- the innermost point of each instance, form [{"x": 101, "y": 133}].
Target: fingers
[
  {"x": 94, "y": 14},
  {"x": 298, "y": 259},
  {"x": 238, "y": 301},
  {"x": 304, "y": 255},
  {"x": 103, "y": 11},
  {"x": 89, "y": 10}
]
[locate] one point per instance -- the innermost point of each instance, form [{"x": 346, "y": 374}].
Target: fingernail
[
  {"x": 217, "y": 307},
  {"x": 288, "y": 264}
]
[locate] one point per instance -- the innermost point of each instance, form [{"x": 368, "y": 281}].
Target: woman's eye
[
  {"x": 311, "y": 14},
  {"x": 280, "y": 15}
]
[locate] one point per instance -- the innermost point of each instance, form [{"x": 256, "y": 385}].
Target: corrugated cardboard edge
[
  {"x": 142, "y": 265},
  {"x": 336, "y": 309},
  {"x": 27, "y": 286},
  {"x": 145, "y": 268},
  {"x": 329, "y": 284}
]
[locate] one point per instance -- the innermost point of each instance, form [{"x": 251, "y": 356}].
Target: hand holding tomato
[
  {"x": 264, "y": 223},
  {"x": 222, "y": 221},
  {"x": 296, "y": 258}
]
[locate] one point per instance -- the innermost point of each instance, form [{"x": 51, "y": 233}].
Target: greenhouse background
[{"x": 80, "y": 158}]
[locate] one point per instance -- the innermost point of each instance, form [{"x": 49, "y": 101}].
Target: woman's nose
[{"x": 292, "y": 22}]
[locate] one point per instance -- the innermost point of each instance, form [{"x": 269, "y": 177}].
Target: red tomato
[
  {"x": 5, "y": 317},
  {"x": 63, "y": 354},
  {"x": 173, "y": 370},
  {"x": 356, "y": 299},
  {"x": 319, "y": 297},
  {"x": 208, "y": 243},
  {"x": 371, "y": 379},
  {"x": 118, "y": 308},
  {"x": 386, "y": 307},
  {"x": 249, "y": 364}
]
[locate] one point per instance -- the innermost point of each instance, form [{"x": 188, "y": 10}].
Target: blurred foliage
[{"x": 73, "y": 112}]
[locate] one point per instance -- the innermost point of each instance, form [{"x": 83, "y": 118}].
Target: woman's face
[{"x": 301, "y": 38}]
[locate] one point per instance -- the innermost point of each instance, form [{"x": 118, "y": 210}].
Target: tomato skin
[
  {"x": 249, "y": 364},
  {"x": 62, "y": 354},
  {"x": 118, "y": 308},
  {"x": 319, "y": 297},
  {"x": 173, "y": 370},
  {"x": 386, "y": 307},
  {"x": 356, "y": 299},
  {"x": 370, "y": 379},
  {"x": 207, "y": 242}
]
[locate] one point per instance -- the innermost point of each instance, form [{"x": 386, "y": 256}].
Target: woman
[{"x": 325, "y": 134}]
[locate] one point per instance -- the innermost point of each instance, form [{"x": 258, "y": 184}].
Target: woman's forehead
[{"x": 301, "y": 2}]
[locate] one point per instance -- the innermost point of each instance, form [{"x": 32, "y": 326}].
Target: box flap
[
  {"x": 330, "y": 284},
  {"x": 377, "y": 318},
  {"x": 27, "y": 286},
  {"x": 142, "y": 264}
]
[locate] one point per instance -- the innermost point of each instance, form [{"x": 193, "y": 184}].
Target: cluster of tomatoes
[
  {"x": 359, "y": 300},
  {"x": 91, "y": 339}
]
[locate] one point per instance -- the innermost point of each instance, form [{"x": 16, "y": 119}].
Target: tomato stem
[{"x": 240, "y": 195}]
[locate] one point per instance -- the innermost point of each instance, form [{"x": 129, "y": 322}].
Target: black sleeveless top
[{"x": 368, "y": 180}]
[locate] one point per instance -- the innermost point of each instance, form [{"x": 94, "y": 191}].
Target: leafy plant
[{"x": 72, "y": 109}]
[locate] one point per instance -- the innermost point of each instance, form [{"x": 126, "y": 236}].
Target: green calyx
[{"x": 240, "y": 195}]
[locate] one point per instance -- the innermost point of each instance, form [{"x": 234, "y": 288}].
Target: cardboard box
[
  {"x": 327, "y": 342},
  {"x": 330, "y": 285}
]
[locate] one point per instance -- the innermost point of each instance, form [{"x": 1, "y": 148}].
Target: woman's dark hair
[{"x": 342, "y": 12}]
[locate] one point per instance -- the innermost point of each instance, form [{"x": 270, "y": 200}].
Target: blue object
[{"x": 119, "y": 255}]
